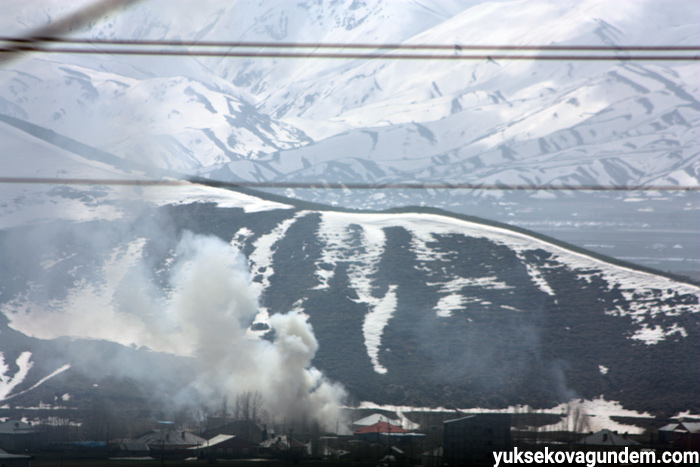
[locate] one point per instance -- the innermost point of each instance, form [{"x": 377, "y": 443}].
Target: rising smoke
[
  {"x": 199, "y": 305},
  {"x": 213, "y": 302}
]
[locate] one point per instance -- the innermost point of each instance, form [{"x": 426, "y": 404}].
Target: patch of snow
[
  {"x": 459, "y": 283},
  {"x": 189, "y": 193},
  {"x": 9, "y": 382},
  {"x": 335, "y": 232},
  {"x": 43, "y": 380},
  {"x": 241, "y": 237},
  {"x": 49, "y": 263},
  {"x": 686, "y": 414},
  {"x": 374, "y": 323},
  {"x": 656, "y": 334},
  {"x": 447, "y": 304},
  {"x": 260, "y": 260},
  {"x": 597, "y": 413},
  {"x": 454, "y": 300}
]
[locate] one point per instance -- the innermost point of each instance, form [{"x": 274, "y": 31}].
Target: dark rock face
[{"x": 423, "y": 309}]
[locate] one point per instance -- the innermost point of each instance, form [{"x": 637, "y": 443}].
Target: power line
[
  {"x": 339, "y": 185},
  {"x": 75, "y": 20},
  {"x": 366, "y": 56},
  {"x": 338, "y": 45},
  {"x": 338, "y": 51}
]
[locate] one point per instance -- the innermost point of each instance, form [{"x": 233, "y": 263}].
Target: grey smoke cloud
[
  {"x": 197, "y": 302},
  {"x": 214, "y": 304}
]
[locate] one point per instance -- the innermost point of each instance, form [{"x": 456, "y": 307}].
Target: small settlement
[{"x": 428, "y": 439}]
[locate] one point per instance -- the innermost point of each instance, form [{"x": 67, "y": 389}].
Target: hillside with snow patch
[{"x": 416, "y": 308}]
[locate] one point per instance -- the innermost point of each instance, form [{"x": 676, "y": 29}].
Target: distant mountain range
[
  {"x": 476, "y": 122},
  {"x": 457, "y": 121}
]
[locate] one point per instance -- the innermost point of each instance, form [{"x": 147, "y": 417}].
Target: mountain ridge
[
  {"x": 101, "y": 156},
  {"x": 393, "y": 290}
]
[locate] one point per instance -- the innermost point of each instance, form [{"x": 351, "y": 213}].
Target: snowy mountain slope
[
  {"x": 388, "y": 296},
  {"x": 373, "y": 93},
  {"x": 497, "y": 103},
  {"x": 646, "y": 135},
  {"x": 38, "y": 232},
  {"x": 171, "y": 123},
  {"x": 491, "y": 122},
  {"x": 485, "y": 121},
  {"x": 32, "y": 204}
]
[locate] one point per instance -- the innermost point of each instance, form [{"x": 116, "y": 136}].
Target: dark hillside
[{"x": 472, "y": 320}]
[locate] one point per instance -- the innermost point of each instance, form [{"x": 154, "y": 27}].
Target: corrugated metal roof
[
  {"x": 403, "y": 435},
  {"x": 690, "y": 427}
]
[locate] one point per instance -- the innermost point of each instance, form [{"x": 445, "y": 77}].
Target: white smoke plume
[
  {"x": 112, "y": 290},
  {"x": 212, "y": 303}
]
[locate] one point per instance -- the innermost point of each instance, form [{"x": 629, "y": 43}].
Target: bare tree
[
  {"x": 255, "y": 405},
  {"x": 248, "y": 405},
  {"x": 580, "y": 421}
]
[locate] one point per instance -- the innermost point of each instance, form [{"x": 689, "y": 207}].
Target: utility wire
[
  {"x": 339, "y": 185},
  {"x": 338, "y": 45},
  {"x": 338, "y": 51},
  {"x": 365, "y": 56},
  {"x": 69, "y": 23}
]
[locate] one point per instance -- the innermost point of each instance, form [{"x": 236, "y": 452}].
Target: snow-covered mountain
[
  {"x": 493, "y": 122},
  {"x": 485, "y": 121},
  {"x": 410, "y": 307}
]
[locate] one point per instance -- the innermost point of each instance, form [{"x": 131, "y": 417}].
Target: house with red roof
[{"x": 385, "y": 432}]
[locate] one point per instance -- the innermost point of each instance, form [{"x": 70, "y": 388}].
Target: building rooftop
[
  {"x": 16, "y": 427},
  {"x": 169, "y": 437},
  {"x": 7, "y": 455},
  {"x": 380, "y": 427},
  {"x": 372, "y": 419}
]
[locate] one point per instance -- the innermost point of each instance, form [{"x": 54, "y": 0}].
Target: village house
[
  {"x": 18, "y": 436},
  {"x": 684, "y": 436},
  {"x": 246, "y": 429},
  {"x": 169, "y": 443},
  {"x": 379, "y": 431}
]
